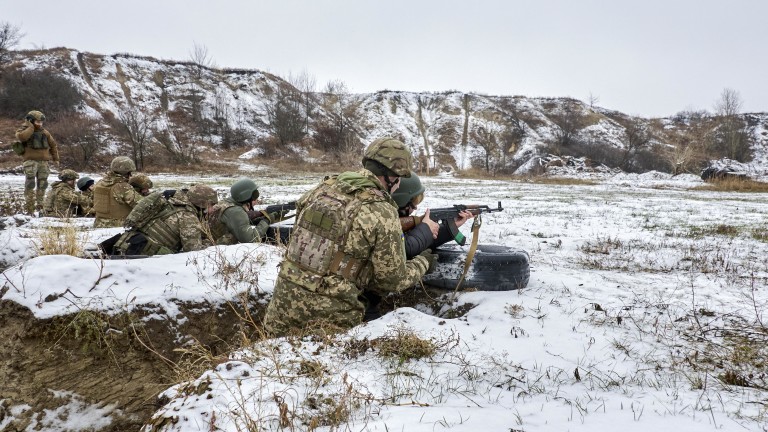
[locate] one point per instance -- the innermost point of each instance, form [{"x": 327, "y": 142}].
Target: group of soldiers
[{"x": 347, "y": 248}]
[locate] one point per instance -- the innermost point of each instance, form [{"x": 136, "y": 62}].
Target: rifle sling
[{"x": 471, "y": 254}]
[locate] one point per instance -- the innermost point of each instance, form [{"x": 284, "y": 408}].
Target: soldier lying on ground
[
  {"x": 168, "y": 225},
  {"x": 229, "y": 221}
]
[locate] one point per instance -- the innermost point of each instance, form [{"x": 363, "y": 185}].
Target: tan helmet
[
  {"x": 390, "y": 153},
  {"x": 68, "y": 174},
  {"x": 140, "y": 181},
  {"x": 35, "y": 115},
  {"x": 202, "y": 196},
  {"x": 122, "y": 165}
]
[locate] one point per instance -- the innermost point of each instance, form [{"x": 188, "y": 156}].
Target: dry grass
[
  {"x": 557, "y": 181},
  {"x": 734, "y": 185},
  {"x": 60, "y": 240}
]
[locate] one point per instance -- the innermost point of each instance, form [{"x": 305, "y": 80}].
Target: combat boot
[{"x": 29, "y": 202}]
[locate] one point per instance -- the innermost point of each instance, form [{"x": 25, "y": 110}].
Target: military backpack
[{"x": 147, "y": 210}]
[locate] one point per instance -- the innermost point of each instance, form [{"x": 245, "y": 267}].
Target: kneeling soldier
[{"x": 62, "y": 200}]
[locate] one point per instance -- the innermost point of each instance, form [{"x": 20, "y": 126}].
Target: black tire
[{"x": 494, "y": 268}]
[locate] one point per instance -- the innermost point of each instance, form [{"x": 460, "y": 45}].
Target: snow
[{"x": 602, "y": 338}]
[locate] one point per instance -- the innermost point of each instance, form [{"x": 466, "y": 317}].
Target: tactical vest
[
  {"x": 105, "y": 206},
  {"x": 319, "y": 236},
  {"x": 38, "y": 140},
  {"x": 218, "y": 229},
  {"x": 159, "y": 233},
  {"x": 50, "y": 199}
]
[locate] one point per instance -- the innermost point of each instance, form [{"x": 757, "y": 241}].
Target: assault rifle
[
  {"x": 448, "y": 216},
  {"x": 257, "y": 216}
]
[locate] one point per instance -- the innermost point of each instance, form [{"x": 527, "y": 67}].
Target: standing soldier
[
  {"x": 169, "y": 226},
  {"x": 141, "y": 183},
  {"x": 39, "y": 148},
  {"x": 347, "y": 238},
  {"x": 229, "y": 221},
  {"x": 113, "y": 197},
  {"x": 62, "y": 200}
]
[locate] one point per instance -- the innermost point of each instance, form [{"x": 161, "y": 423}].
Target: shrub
[{"x": 22, "y": 91}]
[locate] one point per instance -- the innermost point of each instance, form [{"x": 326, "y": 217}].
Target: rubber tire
[
  {"x": 278, "y": 234},
  {"x": 494, "y": 268}
]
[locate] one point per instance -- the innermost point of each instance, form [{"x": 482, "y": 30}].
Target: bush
[{"x": 22, "y": 91}]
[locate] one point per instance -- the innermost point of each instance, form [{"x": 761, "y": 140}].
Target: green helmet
[
  {"x": 410, "y": 188},
  {"x": 122, "y": 165},
  {"x": 68, "y": 174},
  {"x": 140, "y": 181},
  {"x": 391, "y": 154},
  {"x": 202, "y": 196},
  {"x": 35, "y": 115},
  {"x": 244, "y": 190},
  {"x": 84, "y": 183}
]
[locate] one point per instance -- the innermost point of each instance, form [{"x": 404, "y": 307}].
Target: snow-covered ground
[{"x": 641, "y": 294}]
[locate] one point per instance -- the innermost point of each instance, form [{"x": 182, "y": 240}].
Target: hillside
[{"x": 190, "y": 105}]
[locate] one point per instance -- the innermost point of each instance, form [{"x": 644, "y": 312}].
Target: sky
[
  {"x": 650, "y": 58},
  {"x": 617, "y": 268}
]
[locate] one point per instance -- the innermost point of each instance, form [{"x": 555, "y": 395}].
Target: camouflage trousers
[{"x": 35, "y": 183}]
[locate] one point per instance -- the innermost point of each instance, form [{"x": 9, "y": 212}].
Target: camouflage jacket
[
  {"x": 374, "y": 240},
  {"x": 63, "y": 201},
  {"x": 229, "y": 224},
  {"x": 178, "y": 228},
  {"x": 44, "y": 147},
  {"x": 113, "y": 199}
]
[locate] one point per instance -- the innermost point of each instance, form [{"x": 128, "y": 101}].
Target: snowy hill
[{"x": 451, "y": 130}]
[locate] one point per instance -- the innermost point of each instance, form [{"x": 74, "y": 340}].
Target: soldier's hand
[
  {"x": 431, "y": 260},
  {"x": 433, "y": 226},
  {"x": 464, "y": 216},
  {"x": 275, "y": 217},
  {"x": 254, "y": 214}
]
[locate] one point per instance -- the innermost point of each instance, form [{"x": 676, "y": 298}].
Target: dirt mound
[{"x": 108, "y": 367}]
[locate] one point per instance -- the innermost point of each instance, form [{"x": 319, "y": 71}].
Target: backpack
[
  {"x": 18, "y": 147},
  {"x": 146, "y": 210}
]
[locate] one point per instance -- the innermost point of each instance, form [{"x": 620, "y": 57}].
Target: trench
[{"x": 114, "y": 363}]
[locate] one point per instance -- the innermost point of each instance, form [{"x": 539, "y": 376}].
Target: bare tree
[
  {"x": 487, "y": 137},
  {"x": 136, "y": 126},
  {"x": 336, "y": 132},
  {"x": 636, "y": 137},
  {"x": 10, "y": 35},
  {"x": 306, "y": 84},
  {"x": 201, "y": 59},
  {"x": 568, "y": 121},
  {"x": 732, "y": 140},
  {"x": 593, "y": 100},
  {"x": 283, "y": 109},
  {"x": 430, "y": 111}
]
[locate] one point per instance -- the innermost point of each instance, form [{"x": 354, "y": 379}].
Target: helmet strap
[{"x": 390, "y": 183}]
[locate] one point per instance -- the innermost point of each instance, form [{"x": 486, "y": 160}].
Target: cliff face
[{"x": 451, "y": 130}]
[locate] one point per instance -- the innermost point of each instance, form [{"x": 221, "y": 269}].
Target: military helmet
[
  {"x": 201, "y": 195},
  {"x": 122, "y": 165},
  {"x": 68, "y": 174},
  {"x": 35, "y": 115},
  {"x": 140, "y": 181},
  {"x": 84, "y": 183},
  {"x": 244, "y": 190},
  {"x": 391, "y": 154},
  {"x": 410, "y": 190}
]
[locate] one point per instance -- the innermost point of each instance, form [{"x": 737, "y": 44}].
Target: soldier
[
  {"x": 230, "y": 222},
  {"x": 62, "y": 200},
  {"x": 174, "y": 226},
  {"x": 427, "y": 234},
  {"x": 113, "y": 197},
  {"x": 141, "y": 183},
  {"x": 39, "y": 148},
  {"x": 85, "y": 185},
  {"x": 347, "y": 238}
]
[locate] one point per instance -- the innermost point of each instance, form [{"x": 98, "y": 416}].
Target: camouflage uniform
[
  {"x": 229, "y": 224},
  {"x": 369, "y": 254},
  {"x": 39, "y": 148},
  {"x": 63, "y": 201},
  {"x": 113, "y": 199},
  {"x": 175, "y": 229}
]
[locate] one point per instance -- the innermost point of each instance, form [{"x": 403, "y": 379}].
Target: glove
[
  {"x": 275, "y": 217},
  {"x": 431, "y": 260}
]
